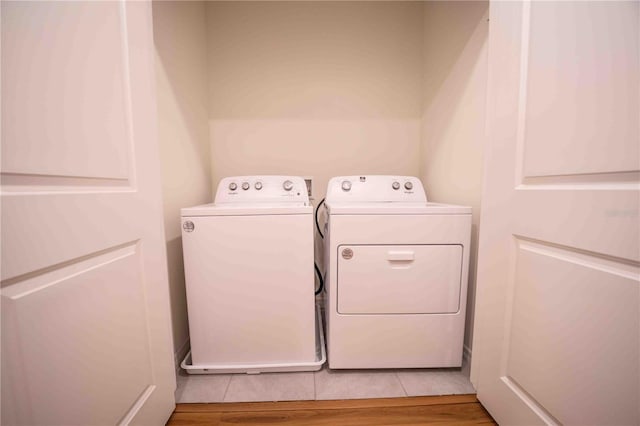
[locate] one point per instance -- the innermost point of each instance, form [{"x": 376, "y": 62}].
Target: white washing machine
[
  {"x": 249, "y": 272},
  {"x": 396, "y": 275}
]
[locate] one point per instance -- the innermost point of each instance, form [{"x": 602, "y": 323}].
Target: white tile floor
[{"x": 323, "y": 384}]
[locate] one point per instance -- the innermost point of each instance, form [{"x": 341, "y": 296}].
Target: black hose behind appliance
[
  {"x": 321, "y": 287},
  {"x": 320, "y": 279},
  {"x": 316, "y": 216}
]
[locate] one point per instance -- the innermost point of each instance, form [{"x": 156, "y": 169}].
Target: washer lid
[
  {"x": 392, "y": 208},
  {"x": 246, "y": 209}
]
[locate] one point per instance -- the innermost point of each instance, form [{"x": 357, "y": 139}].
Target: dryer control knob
[
  {"x": 258, "y": 185},
  {"x": 287, "y": 185},
  {"x": 233, "y": 186},
  {"x": 408, "y": 186},
  {"x": 346, "y": 185},
  {"x": 395, "y": 185},
  {"x": 245, "y": 185}
]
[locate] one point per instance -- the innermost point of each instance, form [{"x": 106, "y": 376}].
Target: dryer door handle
[{"x": 401, "y": 256}]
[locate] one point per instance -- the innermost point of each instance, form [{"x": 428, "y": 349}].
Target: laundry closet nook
[
  {"x": 520, "y": 108},
  {"x": 318, "y": 89}
]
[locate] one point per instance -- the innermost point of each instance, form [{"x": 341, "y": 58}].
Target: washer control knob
[
  {"x": 346, "y": 185},
  {"x": 245, "y": 185},
  {"x": 287, "y": 185},
  {"x": 258, "y": 185},
  {"x": 408, "y": 186},
  {"x": 233, "y": 186},
  {"x": 395, "y": 185}
]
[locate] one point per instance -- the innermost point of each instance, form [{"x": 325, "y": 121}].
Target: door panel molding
[
  {"x": 32, "y": 282},
  {"x": 137, "y": 406},
  {"x": 574, "y": 320},
  {"x": 622, "y": 267},
  {"x": 621, "y": 181},
  {"x": 83, "y": 318},
  {"x": 86, "y": 80},
  {"x": 530, "y": 401},
  {"x": 578, "y": 91},
  {"x": 28, "y": 183}
]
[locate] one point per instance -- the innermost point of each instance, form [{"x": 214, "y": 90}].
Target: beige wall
[
  {"x": 455, "y": 79},
  {"x": 318, "y": 89},
  {"x": 314, "y": 88},
  {"x": 181, "y": 71}
]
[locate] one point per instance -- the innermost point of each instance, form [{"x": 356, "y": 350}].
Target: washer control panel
[
  {"x": 376, "y": 188},
  {"x": 259, "y": 189}
]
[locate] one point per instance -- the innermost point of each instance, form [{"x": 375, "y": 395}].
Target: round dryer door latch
[
  {"x": 188, "y": 226},
  {"x": 347, "y": 253}
]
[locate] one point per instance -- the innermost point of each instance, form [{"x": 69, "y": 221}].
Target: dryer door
[{"x": 390, "y": 279}]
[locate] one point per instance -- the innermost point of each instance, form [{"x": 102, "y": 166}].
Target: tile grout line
[
  {"x": 224, "y": 397},
  {"x": 401, "y": 384}
]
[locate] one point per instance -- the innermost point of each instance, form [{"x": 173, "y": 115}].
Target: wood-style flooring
[{"x": 421, "y": 410}]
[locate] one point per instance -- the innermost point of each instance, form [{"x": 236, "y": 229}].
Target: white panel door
[
  {"x": 85, "y": 313},
  {"x": 557, "y": 336}
]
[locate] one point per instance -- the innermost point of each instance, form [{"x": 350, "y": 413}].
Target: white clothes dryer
[
  {"x": 396, "y": 275},
  {"x": 248, "y": 260}
]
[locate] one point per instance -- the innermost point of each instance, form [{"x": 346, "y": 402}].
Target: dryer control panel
[
  {"x": 375, "y": 189},
  {"x": 262, "y": 189}
]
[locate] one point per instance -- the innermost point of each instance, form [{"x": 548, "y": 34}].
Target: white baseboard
[
  {"x": 466, "y": 354},
  {"x": 466, "y": 365},
  {"x": 181, "y": 353}
]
